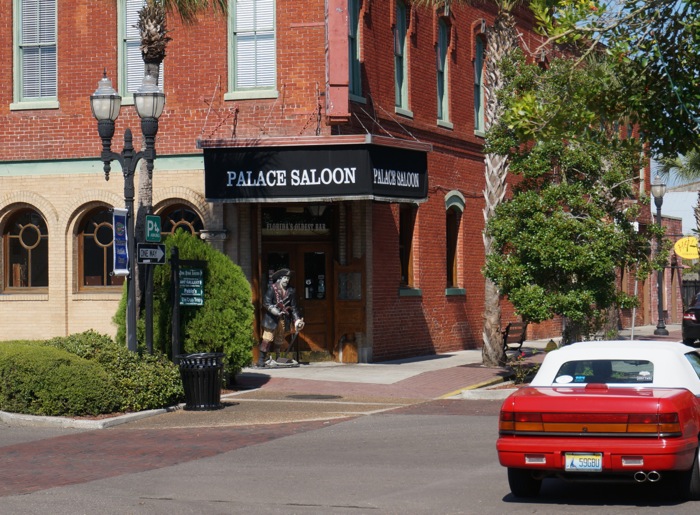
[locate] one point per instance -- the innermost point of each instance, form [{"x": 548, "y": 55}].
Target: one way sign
[{"x": 151, "y": 253}]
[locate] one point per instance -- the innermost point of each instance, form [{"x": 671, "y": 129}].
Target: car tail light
[
  {"x": 690, "y": 316},
  {"x": 665, "y": 424},
  {"x": 653, "y": 424},
  {"x": 520, "y": 422}
]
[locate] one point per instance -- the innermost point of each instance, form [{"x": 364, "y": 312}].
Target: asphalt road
[{"x": 427, "y": 458}]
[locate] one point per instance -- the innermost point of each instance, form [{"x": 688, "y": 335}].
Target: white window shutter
[
  {"x": 38, "y": 49},
  {"x": 255, "y": 57}
]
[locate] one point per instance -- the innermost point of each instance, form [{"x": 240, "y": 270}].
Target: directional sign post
[{"x": 151, "y": 253}]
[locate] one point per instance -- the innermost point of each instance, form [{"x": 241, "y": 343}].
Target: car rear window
[
  {"x": 606, "y": 371},
  {"x": 694, "y": 359}
]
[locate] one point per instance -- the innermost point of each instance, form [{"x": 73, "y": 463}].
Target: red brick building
[{"x": 341, "y": 138}]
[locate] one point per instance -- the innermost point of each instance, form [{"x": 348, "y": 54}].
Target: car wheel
[
  {"x": 694, "y": 480},
  {"x": 689, "y": 483},
  {"x": 522, "y": 484}
]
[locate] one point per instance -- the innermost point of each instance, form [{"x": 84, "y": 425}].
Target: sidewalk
[{"x": 385, "y": 384}]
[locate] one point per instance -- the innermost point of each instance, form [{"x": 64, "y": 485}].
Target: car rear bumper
[
  {"x": 690, "y": 330},
  {"x": 619, "y": 455}
]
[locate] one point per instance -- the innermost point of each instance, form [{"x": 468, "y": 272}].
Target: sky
[{"x": 680, "y": 204}]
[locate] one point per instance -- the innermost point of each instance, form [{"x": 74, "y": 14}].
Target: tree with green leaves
[
  {"x": 561, "y": 240},
  {"x": 655, "y": 48}
]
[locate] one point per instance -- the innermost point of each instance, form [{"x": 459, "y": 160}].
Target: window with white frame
[
  {"x": 400, "y": 57},
  {"x": 36, "y": 74},
  {"x": 355, "y": 79},
  {"x": 252, "y": 53},
  {"x": 443, "y": 72},
  {"x": 131, "y": 64},
  {"x": 479, "y": 97}
]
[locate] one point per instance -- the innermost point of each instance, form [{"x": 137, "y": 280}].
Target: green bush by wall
[
  {"x": 141, "y": 380},
  {"x": 38, "y": 380}
]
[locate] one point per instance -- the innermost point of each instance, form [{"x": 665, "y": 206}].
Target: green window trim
[
  {"x": 35, "y": 61},
  {"x": 252, "y": 50},
  {"x": 443, "y": 74},
  {"x": 401, "y": 58}
]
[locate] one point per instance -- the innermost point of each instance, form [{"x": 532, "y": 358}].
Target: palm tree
[
  {"x": 685, "y": 168},
  {"x": 501, "y": 41},
  {"x": 152, "y": 25}
]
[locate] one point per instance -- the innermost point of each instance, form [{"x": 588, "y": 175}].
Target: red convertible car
[{"x": 606, "y": 411}]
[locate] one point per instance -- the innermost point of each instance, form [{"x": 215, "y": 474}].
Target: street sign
[
  {"x": 191, "y": 301},
  {"x": 153, "y": 228},
  {"x": 151, "y": 253},
  {"x": 191, "y": 282}
]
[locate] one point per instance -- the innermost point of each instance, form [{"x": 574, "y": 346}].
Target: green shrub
[
  {"x": 223, "y": 324},
  {"x": 38, "y": 380},
  {"x": 143, "y": 381}
]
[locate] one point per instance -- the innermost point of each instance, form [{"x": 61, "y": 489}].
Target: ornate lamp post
[
  {"x": 106, "y": 103},
  {"x": 658, "y": 190}
]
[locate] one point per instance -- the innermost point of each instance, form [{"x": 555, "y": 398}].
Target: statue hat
[{"x": 282, "y": 272}]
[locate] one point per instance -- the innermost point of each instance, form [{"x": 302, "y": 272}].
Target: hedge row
[{"x": 84, "y": 374}]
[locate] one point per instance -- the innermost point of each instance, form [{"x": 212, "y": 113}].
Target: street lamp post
[
  {"x": 658, "y": 190},
  {"x": 105, "y": 104}
]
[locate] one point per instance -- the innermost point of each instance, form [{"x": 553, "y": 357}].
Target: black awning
[{"x": 315, "y": 172}]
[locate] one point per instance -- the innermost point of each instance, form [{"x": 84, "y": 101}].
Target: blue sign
[{"x": 121, "y": 248}]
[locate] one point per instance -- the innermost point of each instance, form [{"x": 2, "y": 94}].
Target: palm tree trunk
[{"x": 501, "y": 40}]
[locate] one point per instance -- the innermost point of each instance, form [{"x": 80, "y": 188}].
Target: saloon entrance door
[{"x": 312, "y": 277}]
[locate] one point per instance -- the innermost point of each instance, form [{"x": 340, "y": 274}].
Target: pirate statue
[{"x": 279, "y": 312}]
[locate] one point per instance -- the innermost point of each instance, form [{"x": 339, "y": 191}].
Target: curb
[
  {"x": 20, "y": 420},
  {"x": 460, "y": 392}
]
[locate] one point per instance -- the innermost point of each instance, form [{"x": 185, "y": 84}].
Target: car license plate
[{"x": 583, "y": 461}]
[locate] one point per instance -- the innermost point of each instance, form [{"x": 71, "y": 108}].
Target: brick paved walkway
[{"x": 83, "y": 457}]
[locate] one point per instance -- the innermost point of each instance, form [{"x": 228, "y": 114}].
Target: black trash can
[{"x": 202, "y": 374}]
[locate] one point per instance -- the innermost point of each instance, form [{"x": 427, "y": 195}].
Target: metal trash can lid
[{"x": 201, "y": 355}]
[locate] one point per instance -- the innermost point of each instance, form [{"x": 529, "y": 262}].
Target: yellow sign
[{"x": 687, "y": 248}]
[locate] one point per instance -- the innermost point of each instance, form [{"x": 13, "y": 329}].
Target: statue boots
[{"x": 264, "y": 348}]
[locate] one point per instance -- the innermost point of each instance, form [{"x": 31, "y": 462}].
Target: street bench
[{"x": 514, "y": 335}]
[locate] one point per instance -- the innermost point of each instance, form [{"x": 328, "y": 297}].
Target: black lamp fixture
[
  {"x": 658, "y": 190},
  {"x": 106, "y": 104}
]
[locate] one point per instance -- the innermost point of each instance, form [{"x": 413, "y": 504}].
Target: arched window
[
  {"x": 407, "y": 222},
  {"x": 96, "y": 244},
  {"x": 26, "y": 251},
  {"x": 179, "y": 216},
  {"x": 454, "y": 206}
]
